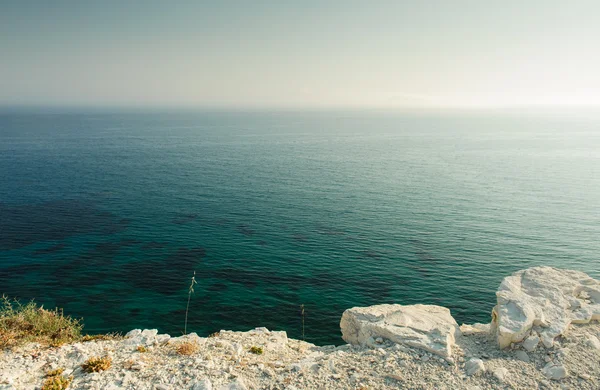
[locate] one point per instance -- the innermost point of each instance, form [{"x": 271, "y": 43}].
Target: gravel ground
[{"x": 225, "y": 361}]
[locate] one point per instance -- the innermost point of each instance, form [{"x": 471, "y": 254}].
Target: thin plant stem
[
  {"x": 302, "y": 312},
  {"x": 187, "y": 309}
]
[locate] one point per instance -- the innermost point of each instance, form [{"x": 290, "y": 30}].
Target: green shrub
[{"x": 20, "y": 324}]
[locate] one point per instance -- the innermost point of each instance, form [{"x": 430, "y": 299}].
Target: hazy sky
[{"x": 300, "y": 53}]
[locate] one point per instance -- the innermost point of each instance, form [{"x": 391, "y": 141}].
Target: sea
[{"x": 108, "y": 214}]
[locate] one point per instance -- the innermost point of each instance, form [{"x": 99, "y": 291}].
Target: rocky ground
[
  {"x": 544, "y": 334},
  {"x": 225, "y": 362}
]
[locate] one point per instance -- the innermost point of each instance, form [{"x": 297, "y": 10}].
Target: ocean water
[{"x": 108, "y": 215}]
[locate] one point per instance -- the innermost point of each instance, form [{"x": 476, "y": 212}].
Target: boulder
[
  {"x": 546, "y": 298},
  {"x": 427, "y": 327}
]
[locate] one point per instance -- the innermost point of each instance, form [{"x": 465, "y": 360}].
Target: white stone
[
  {"x": 555, "y": 371},
  {"x": 543, "y": 297},
  {"x": 474, "y": 366},
  {"x": 149, "y": 332},
  {"x": 531, "y": 343},
  {"x": 522, "y": 356},
  {"x": 427, "y": 327},
  {"x": 204, "y": 384},
  {"x": 237, "y": 385},
  {"x": 593, "y": 342},
  {"x": 476, "y": 328},
  {"x": 133, "y": 333},
  {"x": 501, "y": 374}
]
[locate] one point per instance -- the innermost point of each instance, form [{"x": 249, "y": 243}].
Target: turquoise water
[{"x": 109, "y": 214}]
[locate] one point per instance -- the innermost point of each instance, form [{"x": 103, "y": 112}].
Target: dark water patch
[
  {"x": 182, "y": 219},
  {"x": 370, "y": 254},
  {"x": 221, "y": 221},
  {"x": 262, "y": 243},
  {"x": 167, "y": 276},
  {"x": 120, "y": 226},
  {"x": 246, "y": 230},
  {"x": 322, "y": 229},
  {"x": 283, "y": 295},
  {"x": 152, "y": 245},
  {"x": 186, "y": 259},
  {"x": 49, "y": 250},
  {"x": 300, "y": 237},
  {"x": 125, "y": 242},
  {"x": 217, "y": 287},
  {"x": 422, "y": 251},
  {"x": 26, "y": 224}
]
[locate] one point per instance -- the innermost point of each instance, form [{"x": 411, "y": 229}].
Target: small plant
[
  {"x": 187, "y": 348},
  {"x": 302, "y": 314},
  {"x": 142, "y": 349},
  {"x": 22, "y": 323},
  {"x": 187, "y": 309},
  {"x": 56, "y": 372},
  {"x": 97, "y": 364},
  {"x": 57, "y": 382},
  {"x": 256, "y": 350}
]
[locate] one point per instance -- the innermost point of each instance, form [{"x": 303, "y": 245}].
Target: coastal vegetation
[
  {"x": 23, "y": 323},
  {"x": 57, "y": 382},
  {"x": 187, "y": 348},
  {"x": 97, "y": 364}
]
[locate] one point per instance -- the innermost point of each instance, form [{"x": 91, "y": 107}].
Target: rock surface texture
[
  {"x": 380, "y": 358},
  {"x": 430, "y": 328},
  {"x": 544, "y": 300}
]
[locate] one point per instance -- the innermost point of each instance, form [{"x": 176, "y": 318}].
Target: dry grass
[
  {"x": 57, "y": 383},
  {"x": 101, "y": 337},
  {"x": 142, "y": 349},
  {"x": 20, "y": 324},
  {"x": 97, "y": 364},
  {"x": 56, "y": 372},
  {"x": 187, "y": 348}
]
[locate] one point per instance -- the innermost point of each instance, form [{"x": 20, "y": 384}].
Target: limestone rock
[
  {"x": 548, "y": 298},
  {"x": 476, "y": 328},
  {"x": 474, "y": 366},
  {"x": 427, "y": 327},
  {"x": 204, "y": 384},
  {"x": 237, "y": 385},
  {"x": 501, "y": 374},
  {"x": 522, "y": 356},
  {"x": 593, "y": 342},
  {"x": 555, "y": 371},
  {"x": 531, "y": 343}
]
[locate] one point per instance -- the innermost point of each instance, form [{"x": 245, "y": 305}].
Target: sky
[{"x": 296, "y": 54}]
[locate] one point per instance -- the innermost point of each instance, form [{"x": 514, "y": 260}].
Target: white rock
[
  {"x": 501, "y": 374},
  {"x": 522, "y": 356},
  {"x": 475, "y": 328},
  {"x": 133, "y": 333},
  {"x": 474, "y": 366},
  {"x": 555, "y": 371},
  {"x": 531, "y": 343},
  {"x": 204, "y": 384},
  {"x": 593, "y": 342},
  {"x": 544, "y": 297},
  {"x": 427, "y": 327},
  {"x": 237, "y": 385}
]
